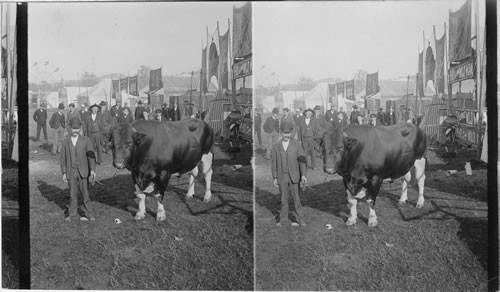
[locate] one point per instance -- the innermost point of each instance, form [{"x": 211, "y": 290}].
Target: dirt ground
[
  {"x": 442, "y": 246},
  {"x": 200, "y": 246}
]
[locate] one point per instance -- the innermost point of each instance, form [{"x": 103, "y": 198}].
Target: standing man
[
  {"x": 126, "y": 118},
  {"x": 390, "y": 117},
  {"x": 331, "y": 114},
  {"x": 287, "y": 117},
  {"x": 108, "y": 124},
  {"x": 339, "y": 121},
  {"x": 308, "y": 129},
  {"x": 77, "y": 164},
  {"x": 116, "y": 111},
  {"x": 175, "y": 113},
  {"x": 83, "y": 115},
  {"x": 320, "y": 117},
  {"x": 40, "y": 117},
  {"x": 356, "y": 116},
  {"x": 73, "y": 113},
  {"x": 257, "y": 120},
  {"x": 272, "y": 128},
  {"x": 95, "y": 127},
  {"x": 57, "y": 122},
  {"x": 373, "y": 121},
  {"x": 344, "y": 115},
  {"x": 139, "y": 111},
  {"x": 166, "y": 112},
  {"x": 288, "y": 170},
  {"x": 380, "y": 117},
  {"x": 159, "y": 116}
]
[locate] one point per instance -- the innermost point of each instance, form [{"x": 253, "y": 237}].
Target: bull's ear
[
  {"x": 349, "y": 143},
  {"x": 138, "y": 138}
]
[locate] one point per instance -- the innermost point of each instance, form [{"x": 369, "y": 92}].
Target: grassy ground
[
  {"x": 199, "y": 246},
  {"x": 10, "y": 225},
  {"x": 441, "y": 247}
]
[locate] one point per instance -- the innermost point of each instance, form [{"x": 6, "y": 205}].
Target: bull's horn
[
  {"x": 345, "y": 135},
  {"x": 134, "y": 130}
]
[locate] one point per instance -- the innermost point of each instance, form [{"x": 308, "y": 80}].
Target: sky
[
  {"x": 335, "y": 39},
  {"x": 104, "y": 38}
]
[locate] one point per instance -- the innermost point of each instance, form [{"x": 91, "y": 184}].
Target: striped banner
[
  {"x": 432, "y": 120},
  {"x": 215, "y": 116}
]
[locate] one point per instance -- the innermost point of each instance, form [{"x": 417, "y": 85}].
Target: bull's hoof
[
  {"x": 189, "y": 196},
  {"x": 420, "y": 204},
  {"x": 208, "y": 197},
  {"x": 139, "y": 216},
  {"x": 161, "y": 217},
  {"x": 402, "y": 202},
  {"x": 372, "y": 222},
  {"x": 350, "y": 221}
]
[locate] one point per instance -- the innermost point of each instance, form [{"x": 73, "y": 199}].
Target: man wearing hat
[
  {"x": 354, "y": 116},
  {"x": 288, "y": 170},
  {"x": 57, "y": 122},
  {"x": 95, "y": 128},
  {"x": 272, "y": 128},
  {"x": 116, "y": 111},
  {"x": 287, "y": 117},
  {"x": 331, "y": 114},
  {"x": 159, "y": 115},
  {"x": 320, "y": 117},
  {"x": 373, "y": 120},
  {"x": 165, "y": 112},
  {"x": 257, "y": 122},
  {"x": 390, "y": 116},
  {"x": 175, "y": 112},
  {"x": 83, "y": 117},
  {"x": 380, "y": 117},
  {"x": 108, "y": 123},
  {"x": 77, "y": 165},
  {"x": 40, "y": 117},
  {"x": 73, "y": 113},
  {"x": 308, "y": 129},
  {"x": 139, "y": 111}
]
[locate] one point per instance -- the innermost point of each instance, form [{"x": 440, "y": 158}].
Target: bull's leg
[
  {"x": 372, "y": 217},
  {"x": 353, "y": 203},
  {"x": 420, "y": 174},
  {"x": 162, "y": 187},
  {"x": 192, "y": 176},
  {"x": 141, "y": 213},
  {"x": 404, "y": 192},
  {"x": 207, "y": 160}
]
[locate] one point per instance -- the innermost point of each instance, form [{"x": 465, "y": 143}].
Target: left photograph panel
[{"x": 140, "y": 146}]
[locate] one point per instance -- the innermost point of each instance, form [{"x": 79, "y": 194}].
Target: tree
[
  {"x": 305, "y": 83},
  {"x": 143, "y": 77},
  {"x": 88, "y": 79}
]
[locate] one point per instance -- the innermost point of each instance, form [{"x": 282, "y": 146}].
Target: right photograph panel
[{"x": 370, "y": 162}]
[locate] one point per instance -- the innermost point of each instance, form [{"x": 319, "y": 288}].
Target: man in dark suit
[
  {"x": 139, "y": 111},
  {"x": 108, "y": 124},
  {"x": 40, "y": 117},
  {"x": 288, "y": 170},
  {"x": 331, "y": 114},
  {"x": 390, "y": 117},
  {"x": 95, "y": 128},
  {"x": 83, "y": 115},
  {"x": 58, "y": 123},
  {"x": 166, "y": 112},
  {"x": 175, "y": 113},
  {"x": 307, "y": 131},
  {"x": 354, "y": 116},
  {"x": 77, "y": 165},
  {"x": 272, "y": 128},
  {"x": 257, "y": 120},
  {"x": 380, "y": 117}
]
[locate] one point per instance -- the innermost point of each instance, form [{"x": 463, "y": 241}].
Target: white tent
[
  {"x": 100, "y": 92},
  {"x": 267, "y": 103},
  {"x": 52, "y": 99}
]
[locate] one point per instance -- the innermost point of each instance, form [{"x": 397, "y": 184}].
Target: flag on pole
[
  {"x": 223, "y": 60},
  {"x": 372, "y": 84},
  {"x": 331, "y": 93},
  {"x": 155, "y": 81},
  {"x": 132, "y": 86},
  {"x": 439, "y": 80},
  {"x": 124, "y": 85},
  {"x": 349, "y": 90},
  {"x": 116, "y": 88},
  {"x": 340, "y": 90}
]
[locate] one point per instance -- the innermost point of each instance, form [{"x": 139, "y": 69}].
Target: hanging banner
[
  {"x": 372, "y": 84},
  {"x": 430, "y": 65},
  {"x": 115, "y": 88},
  {"x": 349, "y": 90},
  {"x": 439, "y": 80},
  {"x": 124, "y": 85},
  {"x": 223, "y": 58},
  {"x": 243, "y": 68},
  {"x": 340, "y": 89},
  {"x": 460, "y": 33},
  {"x": 155, "y": 79},
  {"x": 242, "y": 31},
  {"x": 213, "y": 61},
  {"x": 203, "y": 77},
  {"x": 331, "y": 93},
  {"x": 132, "y": 86}
]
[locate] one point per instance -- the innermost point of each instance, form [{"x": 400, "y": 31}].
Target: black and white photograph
[
  {"x": 140, "y": 146},
  {"x": 370, "y": 148}
]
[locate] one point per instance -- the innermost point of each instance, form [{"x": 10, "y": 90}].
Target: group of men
[{"x": 292, "y": 146}]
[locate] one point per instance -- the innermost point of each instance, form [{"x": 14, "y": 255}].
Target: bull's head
[
  {"x": 334, "y": 145},
  {"x": 124, "y": 139}
]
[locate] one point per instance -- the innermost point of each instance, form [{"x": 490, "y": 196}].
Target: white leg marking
[
  {"x": 141, "y": 213},
  {"x": 372, "y": 217},
  {"x": 160, "y": 214},
  {"x": 354, "y": 210},
  {"x": 420, "y": 173},
  {"x": 361, "y": 194},
  {"x": 192, "y": 176},
  {"x": 404, "y": 193},
  {"x": 207, "y": 171}
]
